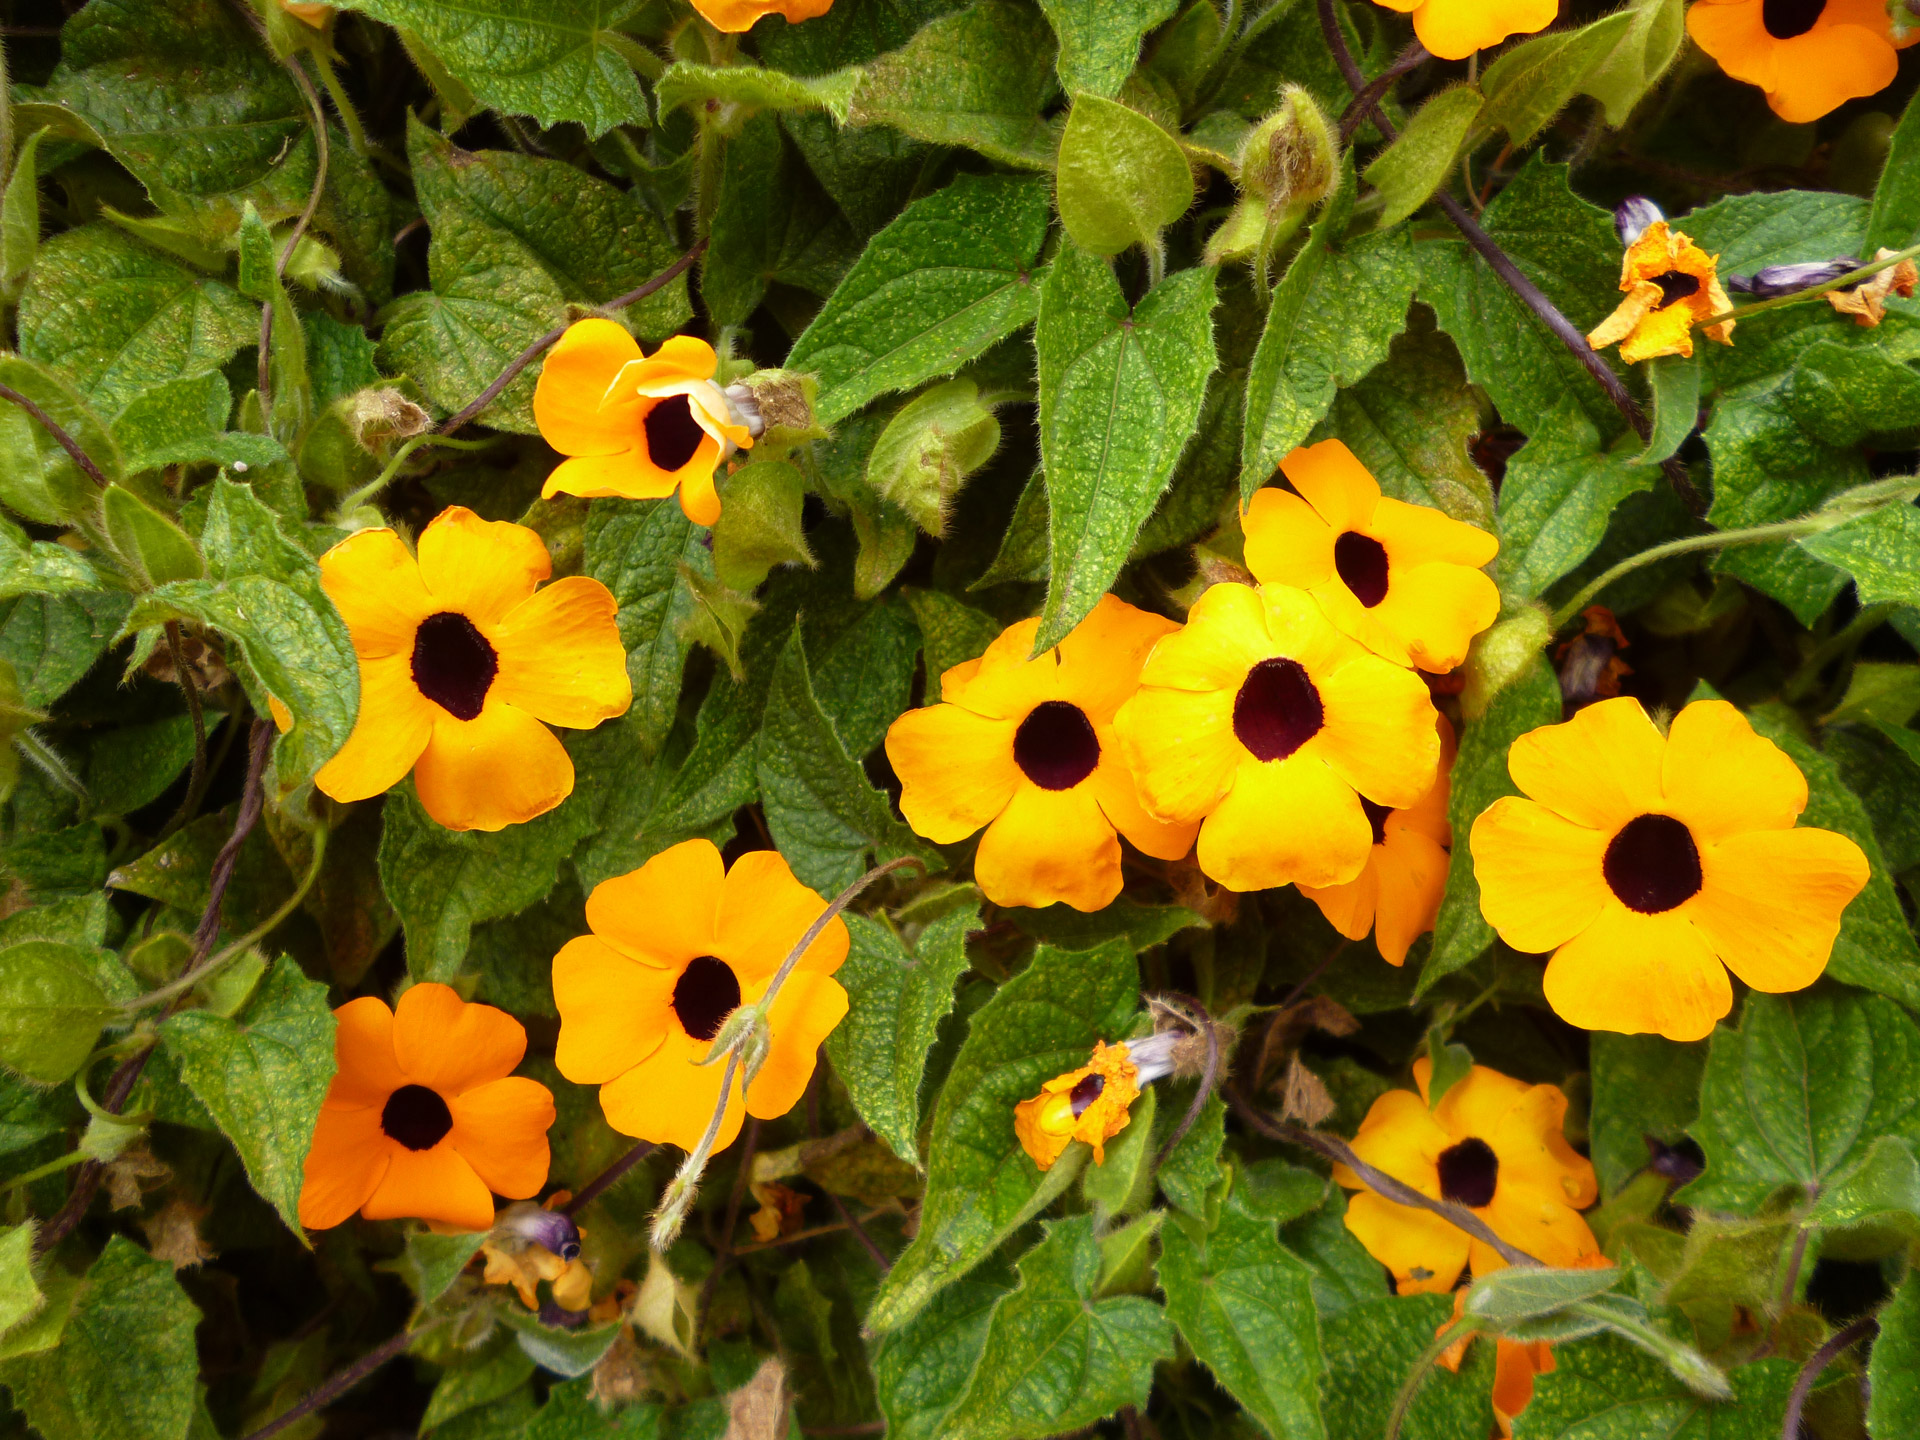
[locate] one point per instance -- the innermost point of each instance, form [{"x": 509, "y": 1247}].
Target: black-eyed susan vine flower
[
  {"x": 1404, "y": 580},
  {"x": 677, "y": 946},
  {"x": 1397, "y": 895},
  {"x": 1650, "y": 864},
  {"x": 425, "y": 1117},
  {"x": 1095, "y": 1102},
  {"x": 1493, "y": 1144},
  {"x": 735, "y": 17},
  {"x": 1027, "y": 749},
  {"x": 532, "y": 1243},
  {"x": 1267, "y": 725},
  {"x": 1809, "y": 56},
  {"x": 1671, "y": 285},
  {"x": 462, "y": 658},
  {"x": 1454, "y": 29},
  {"x": 636, "y": 426}
]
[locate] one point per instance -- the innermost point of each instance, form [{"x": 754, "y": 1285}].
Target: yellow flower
[
  {"x": 677, "y": 946},
  {"x": 1672, "y": 285},
  {"x": 1454, "y": 29},
  {"x": 1493, "y": 1144},
  {"x": 732, "y": 17},
  {"x": 638, "y": 427},
  {"x": 1404, "y": 580},
  {"x": 1867, "y": 301},
  {"x": 1810, "y": 56},
  {"x": 1027, "y": 749},
  {"x": 461, "y": 659},
  {"x": 1397, "y": 896},
  {"x": 1269, "y": 726},
  {"x": 1089, "y": 1104},
  {"x": 530, "y": 1243},
  {"x": 1651, "y": 864}
]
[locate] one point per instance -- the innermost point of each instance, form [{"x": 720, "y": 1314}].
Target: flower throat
[
  {"x": 453, "y": 664},
  {"x": 1787, "y": 19},
  {"x": 707, "y": 992},
  {"x": 673, "y": 435},
  {"x": 1055, "y": 745},
  {"x": 1277, "y": 710}
]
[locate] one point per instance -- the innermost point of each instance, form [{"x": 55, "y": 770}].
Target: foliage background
[{"x": 913, "y": 201}]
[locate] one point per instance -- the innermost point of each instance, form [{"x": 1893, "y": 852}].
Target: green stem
[
  {"x": 52, "y": 1167},
  {"x": 1403, "y": 1402},
  {"x": 1717, "y": 540},
  {"x": 349, "y": 117},
  {"x": 1800, "y": 297},
  {"x": 380, "y": 482},
  {"x": 48, "y": 762},
  {"x": 1844, "y": 642}
]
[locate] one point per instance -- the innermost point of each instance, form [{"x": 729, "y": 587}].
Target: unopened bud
[
  {"x": 1778, "y": 280},
  {"x": 382, "y": 416},
  {"x": 1287, "y": 162},
  {"x": 776, "y": 406},
  {"x": 1633, "y": 215},
  {"x": 1501, "y": 655},
  {"x": 535, "y": 1225},
  {"x": 929, "y": 449}
]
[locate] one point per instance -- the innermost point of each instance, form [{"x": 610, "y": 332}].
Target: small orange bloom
[
  {"x": 638, "y": 427},
  {"x": 732, "y": 17},
  {"x": 1810, "y": 56},
  {"x": 1671, "y": 285},
  {"x": 425, "y": 1117},
  {"x": 1516, "y": 1362},
  {"x": 1454, "y": 29},
  {"x": 1090, "y": 1104}
]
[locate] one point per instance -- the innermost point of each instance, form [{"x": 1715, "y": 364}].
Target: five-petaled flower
[
  {"x": 425, "y": 1116},
  {"x": 1671, "y": 285},
  {"x": 1810, "y": 56},
  {"x": 637, "y": 427},
  {"x": 1269, "y": 726},
  {"x": 1454, "y": 29},
  {"x": 1651, "y": 864},
  {"x": 1027, "y": 749},
  {"x": 1397, "y": 896},
  {"x": 734, "y": 17},
  {"x": 677, "y": 946},
  {"x": 1090, "y": 1104},
  {"x": 1493, "y": 1144},
  {"x": 1404, "y": 580},
  {"x": 462, "y": 657}
]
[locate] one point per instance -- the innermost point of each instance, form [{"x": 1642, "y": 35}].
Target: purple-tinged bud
[
  {"x": 1633, "y": 215},
  {"x": 557, "y": 1315},
  {"x": 1778, "y": 280},
  {"x": 535, "y": 1225}
]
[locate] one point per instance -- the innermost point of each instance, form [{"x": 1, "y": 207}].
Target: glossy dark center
[
  {"x": 1085, "y": 1093},
  {"x": 1362, "y": 563},
  {"x": 707, "y": 992},
  {"x": 1785, "y": 19},
  {"x": 672, "y": 432},
  {"x": 417, "y": 1117},
  {"x": 1675, "y": 287},
  {"x": 1469, "y": 1173},
  {"x": 1653, "y": 864},
  {"x": 1055, "y": 745},
  {"x": 1376, "y": 817},
  {"x": 453, "y": 664},
  {"x": 1277, "y": 710}
]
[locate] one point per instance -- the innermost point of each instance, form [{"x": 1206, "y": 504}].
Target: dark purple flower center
[
  {"x": 672, "y": 433},
  {"x": 1055, "y": 745},
  {"x": 453, "y": 665},
  {"x": 1361, "y": 562},
  {"x": 1377, "y": 817},
  {"x": 1652, "y": 864},
  {"x": 417, "y": 1117},
  {"x": 1469, "y": 1173},
  {"x": 1277, "y": 710},
  {"x": 1085, "y": 1093},
  {"x": 706, "y": 993},
  {"x": 1675, "y": 286},
  {"x": 1785, "y": 19}
]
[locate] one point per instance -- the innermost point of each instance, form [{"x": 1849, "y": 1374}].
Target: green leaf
[
  {"x": 39, "y": 480},
  {"x": 468, "y": 1387},
  {"x": 772, "y": 221},
  {"x": 20, "y": 218},
  {"x": 824, "y": 815},
  {"x": 750, "y": 88},
  {"x": 124, "y": 1367},
  {"x": 1749, "y": 232},
  {"x": 921, "y": 1370},
  {"x": 1607, "y": 1389},
  {"x": 20, "y": 1294},
  {"x": 155, "y": 549},
  {"x": 1373, "y": 1346},
  {"x": 977, "y": 78},
  {"x": 1841, "y": 394},
  {"x": 929, "y": 448},
  {"x": 431, "y": 1263},
  {"x": 115, "y": 317},
  {"x": 1617, "y": 59},
  {"x": 1190, "y": 1176},
  {"x": 1893, "y": 1367},
  {"x": 1120, "y": 395},
  {"x": 933, "y": 290},
  {"x": 896, "y": 1001},
  {"x": 1675, "y": 383},
  {"x": 555, "y": 60},
  {"x": 761, "y": 524},
  {"x": 1880, "y": 550},
  {"x": 981, "y": 1186},
  {"x": 1120, "y": 178},
  {"x": 571, "y": 1413},
  {"x": 1451, "y": 1063},
  {"x": 1506, "y": 1297},
  {"x": 29, "y": 567},
  {"x": 1798, "y": 1094},
  {"x": 51, "y": 1010},
  {"x": 1407, "y": 172},
  {"x": 1245, "y": 1306},
  {"x": 1100, "y": 39},
  {"x": 134, "y": 764},
  {"x": 262, "y": 1076},
  {"x": 1332, "y": 318},
  {"x": 1559, "y": 494},
  {"x": 1461, "y": 934},
  {"x": 1642, "y": 1085},
  {"x": 1894, "y": 222},
  {"x": 1123, "y": 1186},
  {"x": 636, "y": 548},
  {"x": 183, "y": 422},
  {"x": 952, "y": 632},
  {"x": 1054, "y": 1357}
]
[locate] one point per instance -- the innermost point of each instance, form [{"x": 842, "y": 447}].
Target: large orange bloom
[
  {"x": 1671, "y": 285},
  {"x": 1027, "y": 749},
  {"x": 425, "y": 1117},
  {"x": 1652, "y": 864},
  {"x": 461, "y": 659},
  {"x": 732, "y": 17},
  {"x": 1404, "y": 580},
  {"x": 1810, "y": 56},
  {"x": 1454, "y": 29},
  {"x": 677, "y": 946},
  {"x": 638, "y": 427}
]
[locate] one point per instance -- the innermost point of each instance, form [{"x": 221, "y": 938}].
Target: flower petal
[
  {"x": 1340, "y": 489},
  {"x": 1378, "y": 733},
  {"x": 1530, "y": 1140},
  {"x": 1325, "y": 839},
  {"x": 367, "y": 1072},
  {"x": 764, "y": 910},
  {"x": 451, "y": 1046},
  {"x": 1412, "y": 878},
  {"x": 626, "y": 475},
  {"x": 1537, "y": 1222},
  {"x": 1454, "y": 29},
  {"x": 394, "y": 726},
  {"x": 501, "y": 768},
  {"x": 1101, "y": 657},
  {"x": 1180, "y": 747},
  {"x": 1350, "y": 908},
  {"x": 956, "y": 769},
  {"x": 1770, "y": 902},
  {"x": 1436, "y": 610},
  {"x": 669, "y": 1098},
  {"x": 1639, "y": 975},
  {"x": 1225, "y": 636},
  {"x": 374, "y": 582},
  {"x": 614, "y": 1010},
  {"x": 666, "y": 912},
  {"x": 574, "y": 403},
  {"x": 1416, "y": 535},
  {"x": 480, "y": 568},
  {"x": 560, "y": 655},
  {"x": 1720, "y": 778},
  {"x": 1113, "y": 785},
  {"x": 345, "y": 1165},
  {"x": 1823, "y": 69},
  {"x": 1599, "y": 769},
  {"x": 501, "y": 1130},
  {"x": 1539, "y": 874},
  {"x": 1402, "y": 1137},
  {"x": 1425, "y": 1253},
  {"x": 806, "y": 1011},
  {"x": 1050, "y": 846},
  {"x": 436, "y": 1184},
  {"x": 1287, "y": 541}
]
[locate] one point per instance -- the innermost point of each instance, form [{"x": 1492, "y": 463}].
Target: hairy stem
[
  {"x": 1816, "y": 1366},
  {"x": 197, "y": 778},
  {"x": 65, "y": 441},
  {"x": 607, "y": 1178},
  {"x": 336, "y": 1385},
  {"x": 1800, "y": 297}
]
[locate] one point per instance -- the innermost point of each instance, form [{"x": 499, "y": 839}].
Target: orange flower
[
  {"x": 638, "y": 427},
  {"x": 732, "y": 17},
  {"x": 461, "y": 659},
  {"x": 1454, "y": 29},
  {"x": 1516, "y": 1362},
  {"x": 677, "y": 946},
  {"x": 425, "y": 1117},
  {"x": 1397, "y": 895},
  {"x": 1810, "y": 56},
  {"x": 1404, "y": 580},
  {"x": 1090, "y": 1104},
  {"x": 1671, "y": 285}
]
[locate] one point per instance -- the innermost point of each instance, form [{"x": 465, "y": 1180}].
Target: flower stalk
[{"x": 1816, "y": 292}]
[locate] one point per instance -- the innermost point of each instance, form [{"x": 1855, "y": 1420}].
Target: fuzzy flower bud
[
  {"x": 1287, "y": 160},
  {"x": 1633, "y": 215}
]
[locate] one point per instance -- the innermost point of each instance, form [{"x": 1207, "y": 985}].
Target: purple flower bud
[
  {"x": 1777, "y": 280},
  {"x": 1633, "y": 215},
  {"x": 549, "y": 1229}
]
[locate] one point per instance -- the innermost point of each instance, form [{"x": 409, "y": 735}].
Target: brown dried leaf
[
  {"x": 1305, "y": 1099},
  {"x": 758, "y": 1409}
]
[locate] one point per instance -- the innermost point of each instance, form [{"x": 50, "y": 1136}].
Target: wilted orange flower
[
  {"x": 1867, "y": 301},
  {"x": 462, "y": 658},
  {"x": 530, "y": 1243},
  {"x": 425, "y": 1116},
  {"x": 1027, "y": 749},
  {"x": 677, "y": 946},
  {"x": 1672, "y": 285},
  {"x": 1810, "y": 56},
  {"x": 1454, "y": 29},
  {"x": 1404, "y": 580},
  {"x": 732, "y": 17},
  {"x": 1652, "y": 864},
  {"x": 1089, "y": 1104},
  {"x": 638, "y": 427}
]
